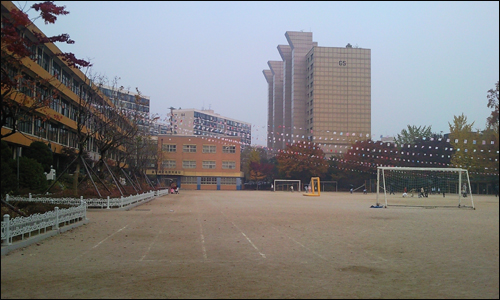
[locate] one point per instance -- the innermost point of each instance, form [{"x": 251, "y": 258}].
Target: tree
[
  {"x": 302, "y": 160},
  {"x": 461, "y": 137},
  {"x": 115, "y": 129},
  {"x": 143, "y": 153},
  {"x": 360, "y": 162},
  {"x": 413, "y": 134},
  {"x": 8, "y": 173},
  {"x": 492, "y": 132},
  {"x": 31, "y": 175},
  {"x": 41, "y": 153},
  {"x": 261, "y": 171},
  {"x": 493, "y": 99},
  {"x": 251, "y": 154},
  {"x": 23, "y": 93}
]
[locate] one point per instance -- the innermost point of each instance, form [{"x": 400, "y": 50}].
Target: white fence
[{"x": 25, "y": 227}]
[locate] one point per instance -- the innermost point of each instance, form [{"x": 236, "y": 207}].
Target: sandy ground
[{"x": 263, "y": 244}]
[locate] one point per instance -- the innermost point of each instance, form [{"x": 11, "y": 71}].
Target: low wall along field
[{"x": 263, "y": 244}]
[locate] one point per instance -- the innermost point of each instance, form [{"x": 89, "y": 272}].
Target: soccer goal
[
  {"x": 329, "y": 186},
  {"x": 313, "y": 189},
  {"x": 288, "y": 185},
  {"x": 425, "y": 187}
]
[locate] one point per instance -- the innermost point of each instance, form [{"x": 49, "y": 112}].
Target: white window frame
[
  {"x": 189, "y": 148},
  {"x": 169, "y": 164},
  {"x": 227, "y": 164},
  {"x": 169, "y": 147},
  {"x": 188, "y": 164},
  {"x": 229, "y": 149},
  {"x": 208, "y": 164},
  {"x": 209, "y": 148}
]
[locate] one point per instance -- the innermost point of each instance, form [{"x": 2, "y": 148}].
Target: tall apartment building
[
  {"x": 326, "y": 94},
  {"x": 208, "y": 123}
]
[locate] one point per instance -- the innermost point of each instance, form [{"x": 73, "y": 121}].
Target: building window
[
  {"x": 40, "y": 129},
  {"x": 208, "y": 164},
  {"x": 208, "y": 148},
  {"x": 229, "y": 165},
  {"x": 168, "y": 164},
  {"x": 55, "y": 104},
  {"x": 228, "y": 149},
  {"x": 189, "y": 148},
  {"x": 189, "y": 164},
  {"x": 228, "y": 181},
  {"x": 46, "y": 62},
  {"x": 66, "y": 79},
  {"x": 169, "y": 148},
  {"x": 56, "y": 70},
  {"x": 52, "y": 132},
  {"x": 25, "y": 123},
  {"x": 63, "y": 137},
  {"x": 188, "y": 180},
  {"x": 208, "y": 180}
]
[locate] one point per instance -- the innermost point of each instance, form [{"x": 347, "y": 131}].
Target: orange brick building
[{"x": 199, "y": 163}]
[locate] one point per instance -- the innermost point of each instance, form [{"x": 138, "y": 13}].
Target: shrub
[
  {"x": 31, "y": 175},
  {"x": 40, "y": 152},
  {"x": 8, "y": 171}
]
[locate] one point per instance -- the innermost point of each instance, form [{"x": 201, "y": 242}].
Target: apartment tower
[{"x": 326, "y": 95}]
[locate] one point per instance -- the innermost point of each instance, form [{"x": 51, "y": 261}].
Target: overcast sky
[{"x": 431, "y": 61}]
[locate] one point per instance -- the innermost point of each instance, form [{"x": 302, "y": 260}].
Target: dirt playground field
[{"x": 263, "y": 244}]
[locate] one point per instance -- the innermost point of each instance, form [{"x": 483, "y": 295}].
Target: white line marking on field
[
  {"x": 201, "y": 233},
  {"x": 312, "y": 251},
  {"x": 97, "y": 245},
  {"x": 248, "y": 239},
  {"x": 150, "y": 245},
  {"x": 202, "y": 241},
  {"x": 109, "y": 236}
]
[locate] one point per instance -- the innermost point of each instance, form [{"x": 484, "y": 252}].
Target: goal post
[
  {"x": 313, "y": 189},
  {"x": 287, "y": 185},
  {"x": 426, "y": 187},
  {"x": 329, "y": 186}
]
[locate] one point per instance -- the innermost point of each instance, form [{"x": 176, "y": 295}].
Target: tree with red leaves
[
  {"x": 18, "y": 88},
  {"x": 302, "y": 160}
]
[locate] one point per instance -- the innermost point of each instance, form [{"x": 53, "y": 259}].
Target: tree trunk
[{"x": 75, "y": 179}]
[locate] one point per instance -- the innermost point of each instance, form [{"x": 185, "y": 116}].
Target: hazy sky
[{"x": 431, "y": 61}]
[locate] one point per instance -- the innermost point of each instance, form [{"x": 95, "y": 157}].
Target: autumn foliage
[{"x": 302, "y": 160}]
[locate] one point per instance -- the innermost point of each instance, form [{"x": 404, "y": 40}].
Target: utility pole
[{"x": 171, "y": 119}]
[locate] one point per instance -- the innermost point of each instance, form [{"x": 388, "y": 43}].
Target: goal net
[
  {"x": 287, "y": 185},
  {"x": 329, "y": 186},
  {"x": 426, "y": 187},
  {"x": 313, "y": 189}
]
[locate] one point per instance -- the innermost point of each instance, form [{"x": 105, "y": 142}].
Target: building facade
[
  {"x": 207, "y": 123},
  {"x": 326, "y": 95},
  {"x": 199, "y": 162},
  {"x": 135, "y": 105},
  {"x": 63, "y": 93}
]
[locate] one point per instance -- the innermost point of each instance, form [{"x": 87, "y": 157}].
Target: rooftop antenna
[{"x": 210, "y": 106}]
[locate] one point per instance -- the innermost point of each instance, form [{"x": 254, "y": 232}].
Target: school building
[{"x": 199, "y": 162}]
